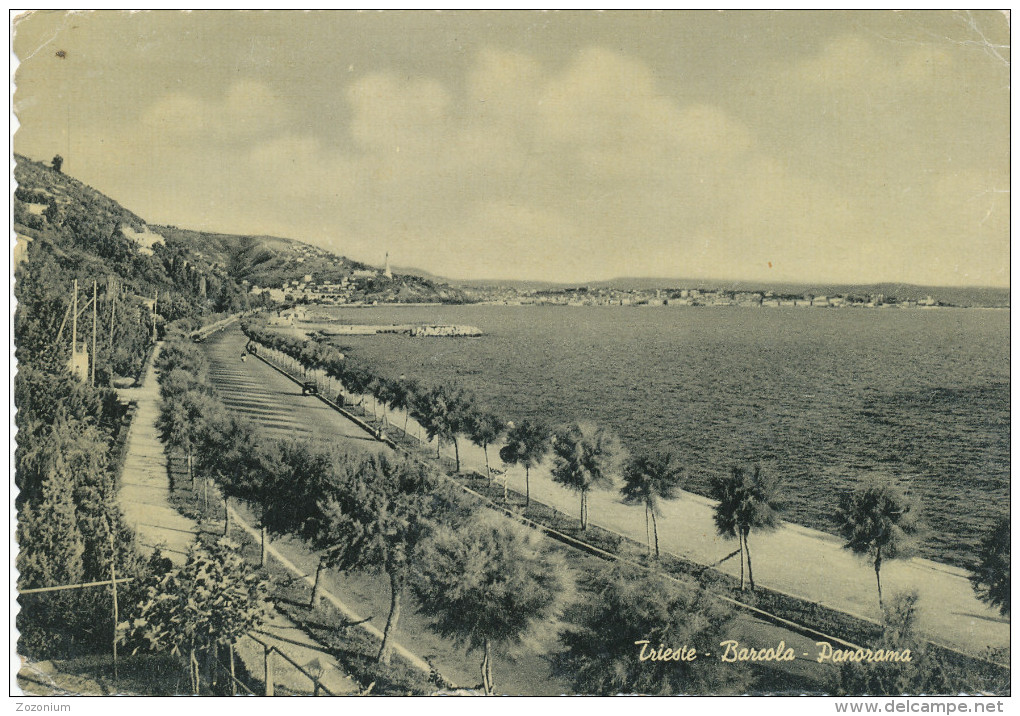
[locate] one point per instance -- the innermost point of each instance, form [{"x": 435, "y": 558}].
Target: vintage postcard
[{"x": 512, "y": 353}]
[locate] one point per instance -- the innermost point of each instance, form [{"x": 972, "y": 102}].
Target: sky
[{"x": 849, "y": 147}]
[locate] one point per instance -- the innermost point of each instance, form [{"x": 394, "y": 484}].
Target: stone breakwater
[{"x": 416, "y": 330}]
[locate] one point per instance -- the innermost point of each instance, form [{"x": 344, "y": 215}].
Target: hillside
[
  {"x": 304, "y": 271},
  {"x": 85, "y": 234},
  {"x": 222, "y": 268},
  {"x": 268, "y": 261}
]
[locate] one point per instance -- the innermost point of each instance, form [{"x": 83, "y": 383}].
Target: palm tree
[
  {"x": 587, "y": 457},
  {"x": 484, "y": 429},
  {"x": 401, "y": 397},
  {"x": 384, "y": 392},
  {"x": 526, "y": 445},
  {"x": 990, "y": 575},
  {"x": 445, "y": 412},
  {"x": 878, "y": 520},
  {"x": 648, "y": 481},
  {"x": 747, "y": 501}
]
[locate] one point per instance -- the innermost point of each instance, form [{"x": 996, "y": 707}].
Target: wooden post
[
  {"x": 269, "y": 671},
  {"x": 233, "y": 676},
  {"x": 262, "y": 552},
  {"x": 113, "y": 312},
  {"x": 74, "y": 322},
  {"x": 116, "y": 615},
  {"x": 94, "y": 310}
]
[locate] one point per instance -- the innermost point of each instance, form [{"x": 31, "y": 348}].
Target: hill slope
[
  {"x": 279, "y": 263},
  {"x": 54, "y": 207}
]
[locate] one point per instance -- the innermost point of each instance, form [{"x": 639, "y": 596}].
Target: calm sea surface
[{"x": 821, "y": 397}]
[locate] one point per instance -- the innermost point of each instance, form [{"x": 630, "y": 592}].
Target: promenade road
[
  {"x": 802, "y": 562},
  {"x": 275, "y": 403}
]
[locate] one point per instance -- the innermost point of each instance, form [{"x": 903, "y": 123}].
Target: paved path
[
  {"x": 794, "y": 559},
  {"x": 145, "y": 487}
]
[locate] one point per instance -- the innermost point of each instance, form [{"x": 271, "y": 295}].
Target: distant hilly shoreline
[{"x": 985, "y": 296}]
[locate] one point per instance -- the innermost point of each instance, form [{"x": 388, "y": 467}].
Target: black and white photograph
[{"x": 511, "y": 353}]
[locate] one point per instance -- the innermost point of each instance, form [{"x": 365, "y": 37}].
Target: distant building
[{"x": 386, "y": 271}]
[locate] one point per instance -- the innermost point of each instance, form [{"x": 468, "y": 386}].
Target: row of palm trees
[{"x": 877, "y": 519}]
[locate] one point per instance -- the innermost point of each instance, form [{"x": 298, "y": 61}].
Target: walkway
[
  {"x": 145, "y": 490},
  {"x": 799, "y": 561}
]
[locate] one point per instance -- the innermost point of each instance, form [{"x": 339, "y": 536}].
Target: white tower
[{"x": 386, "y": 271}]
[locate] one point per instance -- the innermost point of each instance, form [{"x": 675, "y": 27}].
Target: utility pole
[
  {"x": 94, "y": 310},
  {"x": 155, "y": 303}
]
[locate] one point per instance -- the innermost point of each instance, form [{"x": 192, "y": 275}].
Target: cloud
[
  {"x": 390, "y": 112},
  {"x": 248, "y": 110},
  {"x": 855, "y": 65}
]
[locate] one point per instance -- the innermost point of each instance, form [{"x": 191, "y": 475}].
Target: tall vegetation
[
  {"x": 587, "y": 458},
  {"x": 647, "y": 482},
  {"x": 375, "y": 521},
  {"x": 446, "y": 412},
  {"x": 487, "y": 585},
  {"x": 991, "y": 573},
  {"x": 748, "y": 501},
  {"x": 213, "y": 600},
  {"x": 67, "y": 511},
  {"x": 484, "y": 429},
  {"x": 527, "y": 444},
  {"x": 878, "y": 521},
  {"x": 627, "y": 615},
  {"x": 924, "y": 673}
]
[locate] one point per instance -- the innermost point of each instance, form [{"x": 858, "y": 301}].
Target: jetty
[{"x": 416, "y": 330}]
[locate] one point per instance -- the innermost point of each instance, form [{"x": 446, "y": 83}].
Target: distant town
[
  {"x": 351, "y": 287},
  {"x": 585, "y": 296}
]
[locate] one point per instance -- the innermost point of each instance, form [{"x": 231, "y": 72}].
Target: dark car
[{"x": 309, "y": 388}]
